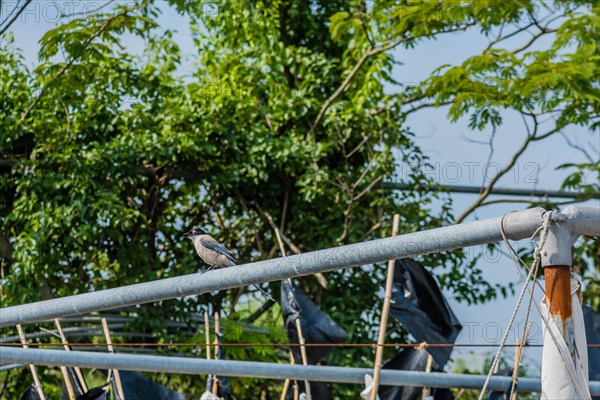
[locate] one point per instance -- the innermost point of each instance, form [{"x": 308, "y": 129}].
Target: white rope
[
  {"x": 537, "y": 260},
  {"x": 564, "y": 356}
]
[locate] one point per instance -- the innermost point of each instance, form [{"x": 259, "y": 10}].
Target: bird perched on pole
[{"x": 213, "y": 253}]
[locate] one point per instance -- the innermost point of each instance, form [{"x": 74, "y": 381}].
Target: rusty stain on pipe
[{"x": 558, "y": 294}]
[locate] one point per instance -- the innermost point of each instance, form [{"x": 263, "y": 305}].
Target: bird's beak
[{"x": 187, "y": 234}]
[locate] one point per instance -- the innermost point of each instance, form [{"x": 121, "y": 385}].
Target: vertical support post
[
  {"x": 65, "y": 343},
  {"x": 564, "y": 360},
  {"x": 558, "y": 298},
  {"x": 304, "y": 355},
  {"x": 301, "y": 340},
  {"x": 516, "y": 364},
  {"x": 426, "y": 392},
  {"x": 112, "y": 350},
  {"x": 556, "y": 261},
  {"x": 286, "y": 384},
  {"x": 207, "y": 334},
  {"x": 296, "y": 389},
  {"x": 68, "y": 383},
  {"x": 215, "y": 385},
  {"x": 36, "y": 378},
  {"x": 389, "y": 283}
]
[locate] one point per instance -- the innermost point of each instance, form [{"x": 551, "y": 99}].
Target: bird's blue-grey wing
[{"x": 219, "y": 248}]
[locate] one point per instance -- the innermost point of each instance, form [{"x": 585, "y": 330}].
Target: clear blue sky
[{"x": 456, "y": 160}]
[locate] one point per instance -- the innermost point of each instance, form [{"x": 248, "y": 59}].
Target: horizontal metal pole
[
  {"x": 519, "y": 225},
  {"x": 198, "y": 366},
  {"x": 11, "y": 366},
  {"x": 495, "y": 190},
  {"x": 583, "y": 220}
]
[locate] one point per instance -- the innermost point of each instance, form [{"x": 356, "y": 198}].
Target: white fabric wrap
[{"x": 557, "y": 382}]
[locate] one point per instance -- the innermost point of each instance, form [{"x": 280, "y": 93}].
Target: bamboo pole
[
  {"x": 304, "y": 356},
  {"x": 426, "y": 389},
  {"x": 384, "y": 315},
  {"x": 111, "y": 350},
  {"x": 65, "y": 343},
  {"x": 207, "y": 341},
  {"x": 296, "y": 389},
  {"x": 215, "y": 386},
  {"x": 286, "y": 384},
  {"x": 36, "y": 379},
  {"x": 286, "y": 387},
  {"x": 68, "y": 383},
  {"x": 207, "y": 334},
  {"x": 298, "y": 324},
  {"x": 516, "y": 364}
]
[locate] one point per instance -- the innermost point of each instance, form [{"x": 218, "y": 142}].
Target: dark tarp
[
  {"x": 411, "y": 359},
  {"x": 318, "y": 390},
  {"x": 497, "y": 395},
  {"x": 97, "y": 393},
  {"x": 317, "y": 327},
  {"x": 138, "y": 387},
  {"x": 30, "y": 394},
  {"x": 77, "y": 389},
  {"x": 419, "y": 305},
  {"x": 113, "y": 387},
  {"x": 592, "y": 334},
  {"x": 224, "y": 388}
]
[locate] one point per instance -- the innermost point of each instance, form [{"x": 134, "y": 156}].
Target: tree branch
[
  {"x": 278, "y": 234},
  {"x": 87, "y": 12},
  {"x": 68, "y": 65},
  {"x": 361, "y": 61},
  {"x": 15, "y": 17},
  {"x": 488, "y": 190},
  {"x": 507, "y": 36},
  {"x": 258, "y": 313}
]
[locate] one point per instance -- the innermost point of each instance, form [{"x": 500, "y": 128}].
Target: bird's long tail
[{"x": 267, "y": 295}]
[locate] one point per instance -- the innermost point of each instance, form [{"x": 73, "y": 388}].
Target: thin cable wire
[{"x": 372, "y": 345}]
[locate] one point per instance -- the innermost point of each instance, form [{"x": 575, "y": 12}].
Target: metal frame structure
[
  {"x": 199, "y": 366},
  {"x": 566, "y": 227}
]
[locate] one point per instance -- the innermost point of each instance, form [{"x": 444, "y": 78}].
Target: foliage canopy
[{"x": 287, "y": 121}]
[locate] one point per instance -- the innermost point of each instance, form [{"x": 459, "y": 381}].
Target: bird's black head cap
[{"x": 196, "y": 231}]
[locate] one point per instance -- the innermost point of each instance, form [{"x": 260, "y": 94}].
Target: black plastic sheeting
[
  {"x": 411, "y": 359},
  {"x": 318, "y": 390},
  {"x": 497, "y": 395},
  {"x": 317, "y": 327},
  {"x": 30, "y": 394},
  {"x": 75, "y": 384},
  {"x": 97, "y": 393},
  {"x": 419, "y": 305},
  {"x": 592, "y": 334},
  {"x": 138, "y": 387}
]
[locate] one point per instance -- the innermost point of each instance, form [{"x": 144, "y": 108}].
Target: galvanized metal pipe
[
  {"x": 564, "y": 229},
  {"x": 198, "y": 366},
  {"x": 519, "y": 225},
  {"x": 496, "y": 190}
]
